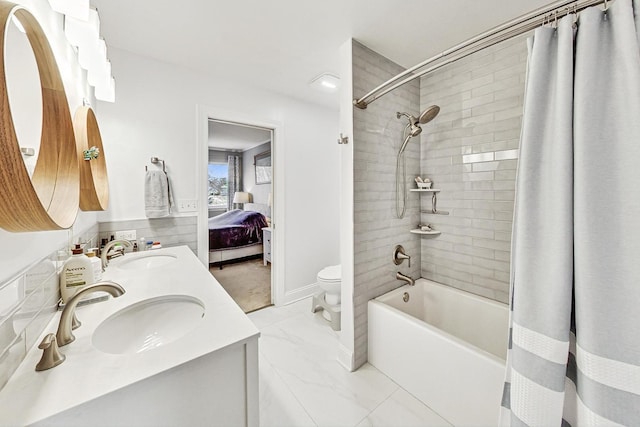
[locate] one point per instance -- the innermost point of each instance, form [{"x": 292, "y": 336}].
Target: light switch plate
[{"x": 188, "y": 205}]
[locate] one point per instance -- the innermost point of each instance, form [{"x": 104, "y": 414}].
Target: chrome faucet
[
  {"x": 105, "y": 256},
  {"x": 405, "y": 278},
  {"x": 68, "y": 320}
]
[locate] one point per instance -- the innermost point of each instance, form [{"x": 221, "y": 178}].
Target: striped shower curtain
[{"x": 574, "y": 347}]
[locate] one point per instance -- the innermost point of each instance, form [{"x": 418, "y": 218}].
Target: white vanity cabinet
[
  {"x": 207, "y": 375},
  {"x": 266, "y": 243}
]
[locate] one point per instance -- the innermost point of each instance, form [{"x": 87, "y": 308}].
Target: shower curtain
[{"x": 574, "y": 344}]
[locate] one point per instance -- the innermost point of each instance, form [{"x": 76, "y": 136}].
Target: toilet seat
[{"x": 330, "y": 274}]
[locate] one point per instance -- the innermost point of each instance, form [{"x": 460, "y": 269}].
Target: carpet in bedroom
[{"x": 248, "y": 283}]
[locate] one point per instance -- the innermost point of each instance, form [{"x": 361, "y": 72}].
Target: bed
[{"x": 237, "y": 233}]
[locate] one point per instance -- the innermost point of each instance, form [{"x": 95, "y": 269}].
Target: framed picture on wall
[{"x": 262, "y": 163}]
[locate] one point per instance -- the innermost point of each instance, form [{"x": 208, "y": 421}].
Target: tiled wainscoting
[
  {"x": 170, "y": 231},
  {"x": 28, "y": 301},
  {"x": 377, "y": 139},
  {"x": 470, "y": 153}
]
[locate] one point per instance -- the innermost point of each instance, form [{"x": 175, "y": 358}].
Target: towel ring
[{"x": 156, "y": 160}]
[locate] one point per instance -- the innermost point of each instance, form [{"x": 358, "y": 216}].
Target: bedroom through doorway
[{"x": 239, "y": 201}]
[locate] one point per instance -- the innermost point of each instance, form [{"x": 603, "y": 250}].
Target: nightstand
[{"x": 266, "y": 244}]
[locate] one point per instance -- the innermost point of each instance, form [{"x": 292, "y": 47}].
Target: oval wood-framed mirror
[
  {"x": 94, "y": 182},
  {"x": 49, "y": 199}
]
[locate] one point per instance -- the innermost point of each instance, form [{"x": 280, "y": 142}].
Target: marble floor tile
[
  {"x": 402, "y": 409},
  {"x": 278, "y": 406},
  {"x": 302, "y": 383}
]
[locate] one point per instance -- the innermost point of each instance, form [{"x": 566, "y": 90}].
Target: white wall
[
  {"x": 346, "y": 347},
  {"x": 155, "y": 114},
  {"x": 18, "y": 250}
]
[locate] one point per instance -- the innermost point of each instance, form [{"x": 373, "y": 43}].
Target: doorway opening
[{"x": 239, "y": 200}]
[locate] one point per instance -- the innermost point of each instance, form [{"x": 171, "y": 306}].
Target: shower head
[
  {"x": 429, "y": 114},
  {"x": 414, "y": 124}
]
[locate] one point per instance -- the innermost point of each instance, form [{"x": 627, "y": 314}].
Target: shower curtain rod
[{"x": 506, "y": 31}]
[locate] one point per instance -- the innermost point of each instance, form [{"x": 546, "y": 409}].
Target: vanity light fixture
[
  {"x": 107, "y": 91},
  {"x": 326, "y": 82},
  {"x": 82, "y": 33},
  {"x": 79, "y": 9}
]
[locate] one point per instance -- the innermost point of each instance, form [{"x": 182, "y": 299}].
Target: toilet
[{"x": 328, "y": 300}]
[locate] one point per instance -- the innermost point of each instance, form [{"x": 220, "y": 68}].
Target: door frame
[{"x": 206, "y": 113}]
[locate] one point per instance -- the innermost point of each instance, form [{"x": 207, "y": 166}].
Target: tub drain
[{"x": 405, "y": 297}]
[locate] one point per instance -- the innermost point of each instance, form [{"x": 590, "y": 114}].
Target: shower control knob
[{"x": 399, "y": 255}]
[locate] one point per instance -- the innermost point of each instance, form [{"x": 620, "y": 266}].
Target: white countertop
[{"x": 88, "y": 373}]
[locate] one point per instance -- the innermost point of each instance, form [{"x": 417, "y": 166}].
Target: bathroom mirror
[
  {"x": 94, "y": 183},
  {"x": 23, "y": 90},
  {"x": 47, "y": 199},
  {"x": 262, "y": 164}
]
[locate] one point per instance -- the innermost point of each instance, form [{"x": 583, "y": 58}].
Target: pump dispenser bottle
[{"x": 76, "y": 274}]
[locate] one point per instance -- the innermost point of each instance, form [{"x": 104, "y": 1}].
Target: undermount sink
[
  {"x": 146, "y": 261},
  {"x": 148, "y": 324}
]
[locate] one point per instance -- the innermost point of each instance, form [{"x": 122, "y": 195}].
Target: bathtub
[{"x": 444, "y": 346}]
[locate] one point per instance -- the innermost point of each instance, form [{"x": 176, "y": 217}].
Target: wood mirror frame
[
  {"x": 94, "y": 182},
  {"x": 48, "y": 200}
]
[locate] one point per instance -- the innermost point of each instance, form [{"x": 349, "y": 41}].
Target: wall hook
[{"x": 343, "y": 139}]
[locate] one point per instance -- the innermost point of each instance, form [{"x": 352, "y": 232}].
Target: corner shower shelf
[
  {"x": 418, "y": 231},
  {"x": 425, "y": 190}
]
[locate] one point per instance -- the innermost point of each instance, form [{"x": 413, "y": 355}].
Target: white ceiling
[
  {"x": 281, "y": 45},
  {"x": 236, "y": 137}
]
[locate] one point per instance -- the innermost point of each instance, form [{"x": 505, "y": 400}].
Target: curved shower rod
[{"x": 508, "y": 30}]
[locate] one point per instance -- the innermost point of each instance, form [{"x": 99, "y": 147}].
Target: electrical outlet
[
  {"x": 188, "y": 205},
  {"x": 126, "y": 235}
]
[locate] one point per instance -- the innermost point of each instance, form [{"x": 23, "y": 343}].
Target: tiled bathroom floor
[{"x": 302, "y": 384}]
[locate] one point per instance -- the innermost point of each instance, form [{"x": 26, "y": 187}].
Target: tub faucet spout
[{"x": 405, "y": 278}]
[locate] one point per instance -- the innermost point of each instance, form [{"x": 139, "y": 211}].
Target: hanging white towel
[{"x": 157, "y": 194}]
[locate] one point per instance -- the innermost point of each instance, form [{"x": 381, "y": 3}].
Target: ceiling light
[{"x": 326, "y": 82}]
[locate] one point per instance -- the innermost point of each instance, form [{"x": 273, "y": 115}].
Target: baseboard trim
[
  {"x": 345, "y": 357},
  {"x": 300, "y": 293}
]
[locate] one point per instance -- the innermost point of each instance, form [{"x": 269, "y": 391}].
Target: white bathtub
[{"x": 446, "y": 347}]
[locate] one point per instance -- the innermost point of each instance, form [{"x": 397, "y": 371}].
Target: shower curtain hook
[
  {"x": 606, "y": 5},
  {"x": 555, "y": 19}
]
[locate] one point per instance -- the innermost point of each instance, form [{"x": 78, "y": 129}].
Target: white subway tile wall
[
  {"x": 377, "y": 137},
  {"x": 470, "y": 152},
  {"x": 170, "y": 231},
  {"x": 28, "y": 302}
]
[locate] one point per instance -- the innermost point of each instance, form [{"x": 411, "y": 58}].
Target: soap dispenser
[{"x": 76, "y": 274}]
